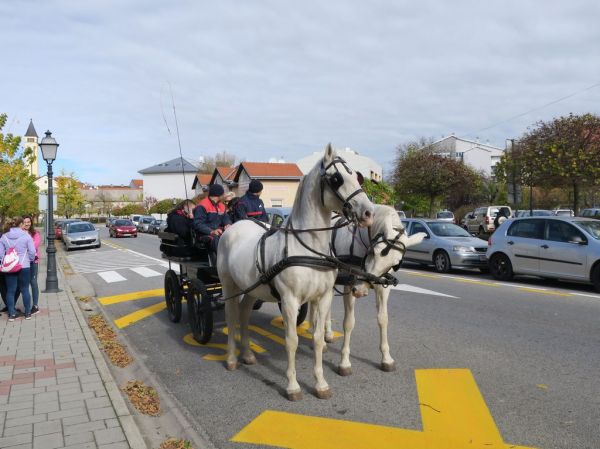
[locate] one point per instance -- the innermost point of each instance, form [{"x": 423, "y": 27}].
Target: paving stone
[
  {"x": 79, "y": 438},
  {"x": 97, "y": 403},
  {"x": 18, "y": 405},
  {"x": 85, "y": 427},
  {"x": 20, "y": 446},
  {"x": 16, "y": 439},
  {"x": 112, "y": 423},
  {"x": 25, "y": 420},
  {"x": 45, "y": 397},
  {"x": 46, "y": 407},
  {"x": 76, "y": 396},
  {"x": 44, "y": 428},
  {"x": 120, "y": 445},
  {"x": 82, "y": 446},
  {"x": 75, "y": 411},
  {"x": 109, "y": 436},
  {"x": 16, "y": 430},
  {"x": 78, "y": 419},
  {"x": 18, "y": 413},
  {"x": 102, "y": 413},
  {"x": 92, "y": 386},
  {"x": 50, "y": 441}
]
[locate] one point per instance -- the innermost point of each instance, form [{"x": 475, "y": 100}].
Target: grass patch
[
  {"x": 174, "y": 443},
  {"x": 144, "y": 398},
  {"x": 116, "y": 352}
]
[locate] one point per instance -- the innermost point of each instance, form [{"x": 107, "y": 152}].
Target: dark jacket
[
  {"x": 209, "y": 216},
  {"x": 250, "y": 206},
  {"x": 180, "y": 225}
]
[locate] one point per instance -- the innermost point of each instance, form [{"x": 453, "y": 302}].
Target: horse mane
[{"x": 384, "y": 213}]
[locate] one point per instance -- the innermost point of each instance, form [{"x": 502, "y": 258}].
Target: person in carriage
[
  {"x": 210, "y": 219},
  {"x": 179, "y": 221},
  {"x": 250, "y": 205}
]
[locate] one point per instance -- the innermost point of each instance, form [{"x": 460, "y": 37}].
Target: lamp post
[{"x": 49, "y": 146}]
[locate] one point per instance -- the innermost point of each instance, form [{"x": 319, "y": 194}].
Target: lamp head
[{"x": 49, "y": 147}]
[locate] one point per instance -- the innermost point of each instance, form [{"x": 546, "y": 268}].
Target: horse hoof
[
  {"x": 388, "y": 367},
  {"x": 344, "y": 370},
  {"x": 249, "y": 360},
  {"x": 324, "y": 394},
  {"x": 295, "y": 396},
  {"x": 232, "y": 366},
  {"x": 328, "y": 338}
]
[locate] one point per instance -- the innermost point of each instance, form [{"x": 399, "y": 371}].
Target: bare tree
[{"x": 221, "y": 159}]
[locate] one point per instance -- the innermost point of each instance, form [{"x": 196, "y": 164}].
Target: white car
[
  {"x": 551, "y": 247},
  {"x": 445, "y": 215},
  {"x": 80, "y": 234}
]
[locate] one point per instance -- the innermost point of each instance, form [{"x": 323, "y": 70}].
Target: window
[
  {"x": 559, "y": 231},
  {"x": 30, "y": 139},
  {"x": 418, "y": 227},
  {"x": 276, "y": 202},
  {"x": 529, "y": 229}
]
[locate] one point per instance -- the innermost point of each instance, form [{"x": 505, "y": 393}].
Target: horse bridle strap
[{"x": 335, "y": 181}]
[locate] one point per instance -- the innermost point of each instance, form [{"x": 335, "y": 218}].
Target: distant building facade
[
  {"x": 482, "y": 157},
  {"x": 365, "y": 165},
  {"x": 31, "y": 143},
  {"x": 166, "y": 180}
]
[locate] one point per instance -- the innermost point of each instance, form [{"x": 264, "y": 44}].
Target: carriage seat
[{"x": 173, "y": 246}]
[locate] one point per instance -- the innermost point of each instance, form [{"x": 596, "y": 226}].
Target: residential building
[
  {"x": 104, "y": 198},
  {"x": 201, "y": 183},
  {"x": 365, "y": 165},
  {"x": 31, "y": 143},
  {"x": 481, "y": 156},
  {"x": 170, "y": 179}
]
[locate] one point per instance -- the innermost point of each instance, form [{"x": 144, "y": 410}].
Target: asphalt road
[{"x": 524, "y": 355}]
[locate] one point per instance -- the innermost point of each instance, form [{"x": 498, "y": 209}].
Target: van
[
  {"x": 481, "y": 220},
  {"x": 135, "y": 219},
  {"x": 592, "y": 212}
]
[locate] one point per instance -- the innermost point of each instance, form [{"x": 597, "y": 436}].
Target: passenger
[
  {"x": 250, "y": 205},
  {"x": 179, "y": 220},
  {"x": 210, "y": 219}
]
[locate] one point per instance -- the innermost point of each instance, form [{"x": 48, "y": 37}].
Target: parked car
[
  {"x": 80, "y": 234},
  {"x": 144, "y": 224},
  {"x": 162, "y": 226},
  {"x": 277, "y": 215},
  {"x": 401, "y": 214},
  {"x": 154, "y": 227},
  {"x": 122, "y": 227},
  {"x": 109, "y": 221},
  {"x": 58, "y": 227},
  {"x": 552, "y": 247},
  {"x": 135, "y": 219},
  {"x": 564, "y": 212},
  {"x": 446, "y": 246},
  {"x": 592, "y": 212},
  {"x": 445, "y": 215},
  {"x": 481, "y": 220},
  {"x": 536, "y": 213}
]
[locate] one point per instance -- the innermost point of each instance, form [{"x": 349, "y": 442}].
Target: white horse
[
  {"x": 380, "y": 249},
  {"x": 330, "y": 185}
]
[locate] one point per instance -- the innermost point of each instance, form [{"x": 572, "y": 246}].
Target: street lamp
[{"x": 49, "y": 146}]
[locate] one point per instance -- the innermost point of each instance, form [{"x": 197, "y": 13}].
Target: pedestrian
[
  {"x": 27, "y": 226},
  {"x": 250, "y": 205},
  {"x": 21, "y": 243},
  {"x": 502, "y": 215}
]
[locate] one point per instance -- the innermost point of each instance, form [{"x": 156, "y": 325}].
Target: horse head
[
  {"x": 388, "y": 244},
  {"x": 341, "y": 191}
]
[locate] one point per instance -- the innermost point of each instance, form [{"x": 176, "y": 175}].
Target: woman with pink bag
[{"x": 27, "y": 226}]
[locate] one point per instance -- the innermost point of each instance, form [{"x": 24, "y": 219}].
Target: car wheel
[
  {"x": 99, "y": 245},
  {"x": 596, "y": 276},
  {"x": 441, "y": 261},
  {"x": 500, "y": 267}
]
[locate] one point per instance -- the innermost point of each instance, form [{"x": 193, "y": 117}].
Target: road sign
[{"x": 454, "y": 415}]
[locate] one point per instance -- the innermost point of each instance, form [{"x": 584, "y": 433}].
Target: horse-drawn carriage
[{"x": 198, "y": 283}]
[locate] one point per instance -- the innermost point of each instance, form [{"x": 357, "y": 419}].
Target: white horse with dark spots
[
  {"x": 380, "y": 250},
  {"x": 246, "y": 255}
]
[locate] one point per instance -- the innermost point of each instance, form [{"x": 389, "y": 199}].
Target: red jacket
[{"x": 209, "y": 216}]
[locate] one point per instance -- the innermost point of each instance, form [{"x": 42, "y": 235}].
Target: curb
[{"x": 130, "y": 428}]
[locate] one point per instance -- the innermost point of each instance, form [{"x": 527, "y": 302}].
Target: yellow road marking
[
  {"x": 412, "y": 273},
  {"x": 253, "y": 346},
  {"x": 115, "y": 299},
  {"x": 189, "y": 339},
  {"x": 545, "y": 292},
  {"x": 469, "y": 281},
  {"x": 302, "y": 329},
  {"x": 138, "y": 315},
  {"x": 454, "y": 413}
]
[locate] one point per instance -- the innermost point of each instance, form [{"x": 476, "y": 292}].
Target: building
[
  {"x": 104, "y": 198},
  {"x": 201, "y": 183},
  {"x": 365, "y": 165},
  {"x": 31, "y": 143},
  {"x": 170, "y": 179},
  {"x": 481, "y": 156}
]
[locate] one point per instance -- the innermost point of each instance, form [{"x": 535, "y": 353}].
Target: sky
[{"x": 269, "y": 79}]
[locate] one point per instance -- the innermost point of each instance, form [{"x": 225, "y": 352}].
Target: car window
[
  {"x": 591, "y": 227},
  {"x": 80, "y": 227},
  {"x": 445, "y": 215},
  {"x": 529, "y": 229},
  {"x": 559, "y": 231},
  {"x": 493, "y": 212},
  {"x": 447, "y": 230},
  {"x": 417, "y": 227},
  {"x": 123, "y": 223}
]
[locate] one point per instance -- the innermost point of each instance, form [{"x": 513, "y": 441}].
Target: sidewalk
[{"x": 55, "y": 388}]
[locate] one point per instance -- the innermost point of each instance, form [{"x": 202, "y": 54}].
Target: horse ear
[{"x": 328, "y": 153}]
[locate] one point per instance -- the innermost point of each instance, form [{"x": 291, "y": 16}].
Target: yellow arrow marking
[
  {"x": 454, "y": 415},
  {"x": 302, "y": 329},
  {"x": 138, "y": 315},
  {"x": 189, "y": 339},
  {"x": 115, "y": 299}
]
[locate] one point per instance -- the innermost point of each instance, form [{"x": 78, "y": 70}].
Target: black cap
[{"x": 216, "y": 190}]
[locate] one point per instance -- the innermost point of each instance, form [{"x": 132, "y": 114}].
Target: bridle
[
  {"x": 334, "y": 181},
  {"x": 391, "y": 244}
]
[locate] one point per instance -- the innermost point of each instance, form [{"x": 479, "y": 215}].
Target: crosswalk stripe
[
  {"x": 145, "y": 272},
  {"x": 111, "y": 276},
  {"x": 134, "y": 317},
  {"x": 115, "y": 299},
  {"x": 412, "y": 288},
  {"x": 174, "y": 267}
]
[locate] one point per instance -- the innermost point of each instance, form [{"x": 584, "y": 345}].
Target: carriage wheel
[
  {"x": 200, "y": 314},
  {"x": 302, "y": 311},
  {"x": 173, "y": 296}
]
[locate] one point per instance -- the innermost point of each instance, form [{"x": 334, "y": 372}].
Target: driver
[
  {"x": 250, "y": 205},
  {"x": 210, "y": 219}
]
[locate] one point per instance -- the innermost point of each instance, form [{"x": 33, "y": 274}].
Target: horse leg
[
  {"x": 322, "y": 306},
  {"x": 245, "y": 309},
  {"x": 328, "y": 328},
  {"x": 289, "y": 310},
  {"x": 232, "y": 317},
  {"x": 381, "y": 295},
  {"x": 345, "y": 367}
]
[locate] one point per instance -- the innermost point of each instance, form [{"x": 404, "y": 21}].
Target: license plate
[{"x": 482, "y": 258}]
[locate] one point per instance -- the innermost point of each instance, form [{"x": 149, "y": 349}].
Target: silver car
[
  {"x": 80, "y": 234},
  {"x": 446, "y": 246},
  {"x": 144, "y": 224},
  {"x": 552, "y": 247}
]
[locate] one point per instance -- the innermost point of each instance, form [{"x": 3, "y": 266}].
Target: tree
[
  {"x": 70, "y": 199},
  {"x": 221, "y": 159},
  {"x": 131, "y": 209},
  {"x": 163, "y": 206},
  {"x": 18, "y": 192},
  {"x": 148, "y": 202},
  {"x": 421, "y": 172},
  {"x": 379, "y": 192},
  {"x": 105, "y": 201}
]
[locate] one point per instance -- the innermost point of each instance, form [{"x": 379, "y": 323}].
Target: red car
[
  {"x": 58, "y": 225},
  {"x": 122, "y": 228}
]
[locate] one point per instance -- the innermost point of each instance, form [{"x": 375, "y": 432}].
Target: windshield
[
  {"x": 123, "y": 223},
  {"x": 80, "y": 227},
  {"x": 445, "y": 215},
  {"x": 447, "y": 229},
  {"x": 591, "y": 227}
]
